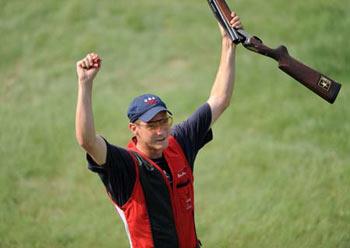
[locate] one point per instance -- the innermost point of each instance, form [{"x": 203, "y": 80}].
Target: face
[{"x": 152, "y": 136}]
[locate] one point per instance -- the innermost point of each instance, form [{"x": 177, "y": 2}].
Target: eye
[
  {"x": 152, "y": 125},
  {"x": 160, "y": 123}
]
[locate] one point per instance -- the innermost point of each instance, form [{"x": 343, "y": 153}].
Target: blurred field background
[{"x": 277, "y": 173}]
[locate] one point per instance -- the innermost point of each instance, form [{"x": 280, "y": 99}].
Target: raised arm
[
  {"x": 221, "y": 92},
  {"x": 93, "y": 144}
]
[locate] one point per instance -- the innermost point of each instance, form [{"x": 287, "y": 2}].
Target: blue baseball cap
[{"x": 145, "y": 107}]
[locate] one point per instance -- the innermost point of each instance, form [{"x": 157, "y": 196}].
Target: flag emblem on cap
[{"x": 150, "y": 100}]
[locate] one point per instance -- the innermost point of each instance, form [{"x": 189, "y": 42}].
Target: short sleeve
[
  {"x": 193, "y": 133},
  {"x": 117, "y": 174}
]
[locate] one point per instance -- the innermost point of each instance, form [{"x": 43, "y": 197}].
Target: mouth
[{"x": 158, "y": 140}]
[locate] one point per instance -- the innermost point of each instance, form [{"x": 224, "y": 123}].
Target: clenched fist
[{"x": 88, "y": 67}]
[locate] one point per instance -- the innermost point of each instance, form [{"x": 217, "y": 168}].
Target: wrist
[
  {"x": 227, "y": 43},
  {"x": 228, "y": 46},
  {"x": 83, "y": 81}
]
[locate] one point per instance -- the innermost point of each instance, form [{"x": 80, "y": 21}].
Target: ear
[{"x": 133, "y": 128}]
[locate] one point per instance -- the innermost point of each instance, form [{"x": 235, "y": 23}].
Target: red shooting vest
[{"x": 135, "y": 212}]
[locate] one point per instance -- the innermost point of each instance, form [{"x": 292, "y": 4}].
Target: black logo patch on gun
[{"x": 324, "y": 83}]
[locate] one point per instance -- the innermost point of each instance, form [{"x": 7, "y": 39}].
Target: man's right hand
[{"x": 88, "y": 67}]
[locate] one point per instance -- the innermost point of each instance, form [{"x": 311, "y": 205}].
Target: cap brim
[{"x": 146, "y": 117}]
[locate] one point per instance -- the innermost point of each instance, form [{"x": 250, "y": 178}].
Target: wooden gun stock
[{"x": 320, "y": 84}]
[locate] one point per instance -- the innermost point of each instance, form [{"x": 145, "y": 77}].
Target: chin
[{"x": 162, "y": 146}]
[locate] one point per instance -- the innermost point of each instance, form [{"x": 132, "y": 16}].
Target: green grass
[{"x": 277, "y": 173}]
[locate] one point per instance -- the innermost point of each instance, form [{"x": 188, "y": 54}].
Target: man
[{"x": 151, "y": 181}]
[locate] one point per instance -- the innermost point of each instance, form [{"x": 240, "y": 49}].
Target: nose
[{"x": 161, "y": 130}]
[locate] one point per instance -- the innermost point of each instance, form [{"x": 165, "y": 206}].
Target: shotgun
[{"x": 320, "y": 84}]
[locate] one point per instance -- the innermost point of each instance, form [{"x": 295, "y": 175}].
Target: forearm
[
  {"x": 222, "y": 88},
  {"x": 84, "y": 122}
]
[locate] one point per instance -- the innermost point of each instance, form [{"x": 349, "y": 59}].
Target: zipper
[{"x": 170, "y": 189}]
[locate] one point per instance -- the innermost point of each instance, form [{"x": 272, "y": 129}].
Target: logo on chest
[{"x": 181, "y": 174}]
